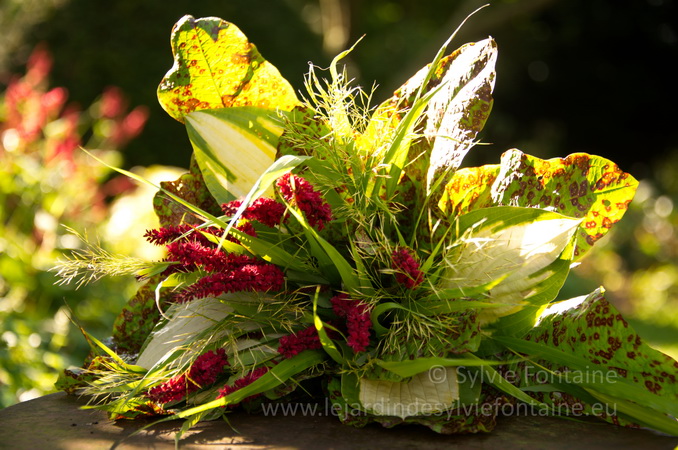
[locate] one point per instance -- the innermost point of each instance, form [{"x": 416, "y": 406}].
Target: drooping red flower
[
  {"x": 358, "y": 322},
  {"x": 193, "y": 255},
  {"x": 165, "y": 235},
  {"x": 264, "y": 210},
  {"x": 407, "y": 268},
  {"x": 297, "y": 191},
  {"x": 204, "y": 371},
  {"x": 207, "y": 367},
  {"x": 293, "y": 344},
  {"x": 258, "y": 277},
  {"x": 172, "y": 390}
]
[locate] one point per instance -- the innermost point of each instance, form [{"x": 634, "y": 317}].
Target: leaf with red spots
[
  {"x": 461, "y": 86},
  {"x": 580, "y": 185},
  {"x": 601, "y": 353},
  {"x": 459, "y": 109},
  {"x": 215, "y": 66}
]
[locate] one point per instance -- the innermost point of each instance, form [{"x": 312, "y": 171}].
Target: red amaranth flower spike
[
  {"x": 205, "y": 370},
  {"x": 297, "y": 191},
  {"x": 358, "y": 322},
  {"x": 207, "y": 367},
  {"x": 193, "y": 255},
  {"x": 407, "y": 268},
  {"x": 264, "y": 210},
  {"x": 260, "y": 277},
  {"x": 165, "y": 235},
  {"x": 293, "y": 344}
]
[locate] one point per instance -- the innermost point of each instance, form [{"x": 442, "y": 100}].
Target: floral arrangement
[{"x": 321, "y": 247}]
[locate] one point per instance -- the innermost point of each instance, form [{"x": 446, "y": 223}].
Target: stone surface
[{"x": 57, "y": 422}]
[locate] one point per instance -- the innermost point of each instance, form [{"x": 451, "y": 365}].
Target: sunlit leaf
[
  {"x": 215, "y": 66},
  {"x": 588, "y": 187},
  {"x": 459, "y": 110},
  {"x": 233, "y": 147},
  {"x": 190, "y": 187},
  {"x": 188, "y": 320},
  {"x": 511, "y": 244}
]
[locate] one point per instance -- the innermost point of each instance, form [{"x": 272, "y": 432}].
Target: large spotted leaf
[
  {"x": 597, "y": 356},
  {"x": 137, "y": 319},
  {"x": 583, "y": 186},
  {"x": 215, "y": 66},
  {"x": 459, "y": 109}
]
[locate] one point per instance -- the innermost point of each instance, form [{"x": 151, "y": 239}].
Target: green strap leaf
[
  {"x": 233, "y": 147},
  {"x": 328, "y": 344},
  {"x": 215, "y": 66}
]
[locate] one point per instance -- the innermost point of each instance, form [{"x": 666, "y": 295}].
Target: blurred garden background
[{"x": 590, "y": 76}]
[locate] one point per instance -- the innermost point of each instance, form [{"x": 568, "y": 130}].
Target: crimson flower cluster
[
  {"x": 297, "y": 191},
  {"x": 407, "y": 268},
  {"x": 264, "y": 210},
  {"x": 358, "y": 321},
  {"x": 237, "y": 273},
  {"x": 293, "y": 344},
  {"x": 166, "y": 235},
  {"x": 228, "y": 272},
  {"x": 203, "y": 372}
]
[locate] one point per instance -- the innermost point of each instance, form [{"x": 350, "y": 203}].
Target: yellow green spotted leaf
[
  {"x": 586, "y": 342},
  {"x": 588, "y": 187},
  {"x": 461, "y": 85},
  {"x": 469, "y": 189},
  {"x": 215, "y": 66}
]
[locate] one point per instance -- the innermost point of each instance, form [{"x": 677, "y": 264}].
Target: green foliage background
[{"x": 568, "y": 80}]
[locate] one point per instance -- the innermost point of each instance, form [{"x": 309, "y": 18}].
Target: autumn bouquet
[{"x": 319, "y": 247}]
